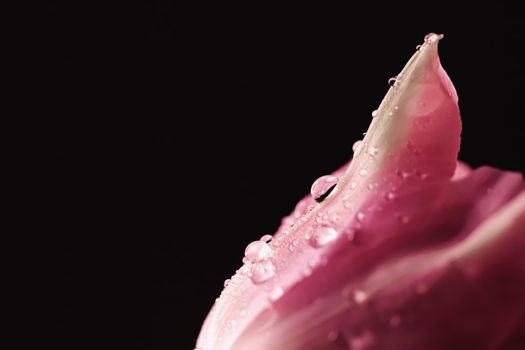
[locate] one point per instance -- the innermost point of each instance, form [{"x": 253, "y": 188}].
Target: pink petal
[{"x": 411, "y": 250}]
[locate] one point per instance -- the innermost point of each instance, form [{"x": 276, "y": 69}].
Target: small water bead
[
  {"x": 363, "y": 172},
  {"x": 226, "y": 282},
  {"x": 323, "y": 236},
  {"x": 405, "y": 219},
  {"x": 266, "y": 238},
  {"x": 360, "y": 216},
  {"x": 323, "y": 186},
  {"x": 262, "y": 271},
  {"x": 276, "y": 293},
  {"x": 390, "y": 196},
  {"x": 433, "y": 37},
  {"x": 395, "y": 321},
  {"x": 332, "y": 336},
  {"x": 418, "y": 47},
  {"x": 394, "y": 81},
  {"x": 360, "y": 296},
  {"x": 373, "y": 151},
  {"x": 363, "y": 341},
  {"x": 421, "y": 288},
  {"x": 257, "y": 251},
  {"x": 356, "y": 145},
  {"x": 353, "y": 185},
  {"x": 374, "y": 113}
]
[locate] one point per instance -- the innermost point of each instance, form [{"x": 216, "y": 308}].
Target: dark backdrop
[{"x": 172, "y": 138}]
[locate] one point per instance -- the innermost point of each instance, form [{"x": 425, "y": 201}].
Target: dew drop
[
  {"x": 363, "y": 172},
  {"x": 405, "y": 219},
  {"x": 332, "y": 336},
  {"x": 373, "y": 151},
  {"x": 418, "y": 47},
  {"x": 390, "y": 196},
  {"x": 323, "y": 186},
  {"x": 257, "y": 251},
  {"x": 323, "y": 236},
  {"x": 433, "y": 37},
  {"x": 266, "y": 238},
  {"x": 360, "y": 216},
  {"x": 374, "y": 113},
  {"x": 360, "y": 296},
  {"x": 276, "y": 293},
  {"x": 262, "y": 271},
  {"x": 394, "y": 81},
  {"x": 363, "y": 341},
  {"x": 353, "y": 185},
  {"x": 356, "y": 145},
  {"x": 226, "y": 282},
  {"x": 395, "y": 321},
  {"x": 421, "y": 288}
]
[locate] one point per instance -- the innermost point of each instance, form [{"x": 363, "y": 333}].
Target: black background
[{"x": 172, "y": 137}]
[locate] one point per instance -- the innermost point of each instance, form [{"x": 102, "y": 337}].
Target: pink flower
[{"x": 406, "y": 249}]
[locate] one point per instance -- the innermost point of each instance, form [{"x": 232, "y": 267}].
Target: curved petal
[{"x": 405, "y": 219}]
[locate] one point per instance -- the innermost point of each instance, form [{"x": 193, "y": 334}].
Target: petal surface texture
[{"x": 411, "y": 249}]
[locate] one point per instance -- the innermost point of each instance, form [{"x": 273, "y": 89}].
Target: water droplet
[
  {"x": 360, "y": 216},
  {"x": 262, "y": 271},
  {"x": 323, "y": 236},
  {"x": 421, "y": 288},
  {"x": 257, "y": 251},
  {"x": 373, "y": 151},
  {"x": 266, "y": 238},
  {"x": 418, "y": 47},
  {"x": 356, "y": 145},
  {"x": 353, "y": 185},
  {"x": 374, "y": 113},
  {"x": 390, "y": 196},
  {"x": 363, "y": 341},
  {"x": 323, "y": 186},
  {"x": 360, "y": 296},
  {"x": 332, "y": 336},
  {"x": 405, "y": 219},
  {"x": 433, "y": 37},
  {"x": 226, "y": 282},
  {"x": 276, "y": 293},
  {"x": 363, "y": 172},
  {"x": 394, "y": 81},
  {"x": 395, "y": 321}
]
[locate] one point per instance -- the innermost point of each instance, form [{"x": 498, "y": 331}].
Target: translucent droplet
[
  {"x": 257, "y": 251},
  {"x": 395, "y": 321},
  {"x": 418, "y": 47},
  {"x": 363, "y": 172},
  {"x": 360, "y": 216},
  {"x": 353, "y": 185},
  {"x": 356, "y": 145},
  {"x": 363, "y": 341},
  {"x": 322, "y": 187},
  {"x": 394, "y": 81},
  {"x": 421, "y": 288},
  {"x": 323, "y": 236},
  {"x": 374, "y": 113},
  {"x": 262, "y": 271},
  {"x": 332, "y": 336},
  {"x": 226, "y": 282},
  {"x": 373, "y": 151},
  {"x": 276, "y": 293},
  {"x": 360, "y": 296},
  {"x": 405, "y": 219},
  {"x": 390, "y": 196},
  {"x": 433, "y": 37},
  {"x": 266, "y": 238}
]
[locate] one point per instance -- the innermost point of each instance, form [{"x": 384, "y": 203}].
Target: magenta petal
[{"x": 410, "y": 250}]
